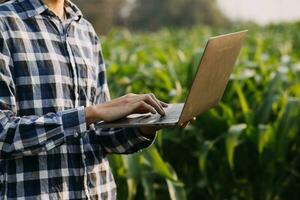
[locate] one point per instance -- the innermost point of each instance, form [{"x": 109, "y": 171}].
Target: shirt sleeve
[
  {"x": 116, "y": 140},
  {"x": 27, "y": 135},
  {"x": 122, "y": 140}
]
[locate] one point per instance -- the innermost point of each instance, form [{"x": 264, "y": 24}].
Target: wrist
[{"x": 92, "y": 115}]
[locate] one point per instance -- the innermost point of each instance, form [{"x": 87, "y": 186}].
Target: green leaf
[
  {"x": 133, "y": 168},
  {"x": 265, "y": 136},
  {"x": 263, "y": 112},
  {"x": 287, "y": 127},
  {"x": 154, "y": 159},
  {"x": 148, "y": 186},
  {"x": 176, "y": 188},
  {"x": 243, "y": 101},
  {"x": 132, "y": 188},
  {"x": 132, "y": 165},
  {"x": 203, "y": 154},
  {"x": 232, "y": 140},
  {"x": 295, "y": 90}
]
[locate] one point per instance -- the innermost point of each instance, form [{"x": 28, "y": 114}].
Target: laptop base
[{"x": 173, "y": 112}]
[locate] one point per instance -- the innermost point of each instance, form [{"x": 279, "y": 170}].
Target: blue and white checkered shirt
[{"x": 49, "y": 71}]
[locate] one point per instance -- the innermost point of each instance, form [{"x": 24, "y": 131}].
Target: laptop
[{"x": 209, "y": 84}]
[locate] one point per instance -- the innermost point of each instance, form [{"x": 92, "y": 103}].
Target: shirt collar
[
  {"x": 72, "y": 10},
  {"x": 36, "y": 7}
]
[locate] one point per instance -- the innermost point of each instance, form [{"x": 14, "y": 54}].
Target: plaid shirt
[{"x": 49, "y": 71}]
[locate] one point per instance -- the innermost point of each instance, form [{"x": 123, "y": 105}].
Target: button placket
[
  {"x": 72, "y": 61},
  {"x": 83, "y": 156},
  {"x": 76, "y": 135}
]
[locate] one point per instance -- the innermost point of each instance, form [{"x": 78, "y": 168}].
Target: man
[{"x": 52, "y": 89}]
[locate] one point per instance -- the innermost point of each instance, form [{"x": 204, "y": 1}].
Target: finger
[
  {"x": 142, "y": 108},
  {"x": 145, "y": 108},
  {"x": 147, "y": 98},
  {"x": 155, "y": 99},
  {"x": 183, "y": 125},
  {"x": 165, "y": 105},
  {"x": 136, "y": 98},
  {"x": 161, "y": 103},
  {"x": 150, "y": 101}
]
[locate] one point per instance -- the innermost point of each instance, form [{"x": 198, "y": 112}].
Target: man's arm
[
  {"x": 124, "y": 140},
  {"x": 29, "y": 135},
  {"x": 121, "y": 141}
]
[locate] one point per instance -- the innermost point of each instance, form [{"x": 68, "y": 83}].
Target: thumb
[{"x": 183, "y": 125}]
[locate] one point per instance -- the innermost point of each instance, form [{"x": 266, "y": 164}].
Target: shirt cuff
[
  {"x": 74, "y": 122},
  {"x": 149, "y": 139}
]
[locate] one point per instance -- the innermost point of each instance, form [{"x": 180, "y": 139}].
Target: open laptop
[{"x": 209, "y": 84}]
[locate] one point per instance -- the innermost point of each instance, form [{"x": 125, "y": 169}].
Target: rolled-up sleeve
[{"x": 123, "y": 140}]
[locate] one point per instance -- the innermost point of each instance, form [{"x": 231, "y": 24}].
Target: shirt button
[{"x": 76, "y": 135}]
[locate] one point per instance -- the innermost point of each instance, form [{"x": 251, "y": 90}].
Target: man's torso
[{"x": 54, "y": 67}]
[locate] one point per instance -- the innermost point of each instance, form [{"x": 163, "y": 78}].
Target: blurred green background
[{"x": 246, "y": 148}]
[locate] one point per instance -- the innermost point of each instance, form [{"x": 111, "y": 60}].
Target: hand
[
  {"x": 150, "y": 130},
  {"x": 124, "y": 106},
  {"x": 187, "y": 123}
]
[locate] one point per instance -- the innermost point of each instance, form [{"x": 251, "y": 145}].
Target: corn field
[{"x": 246, "y": 148}]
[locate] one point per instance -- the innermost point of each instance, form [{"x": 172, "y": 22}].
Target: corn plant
[{"x": 246, "y": 148}]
